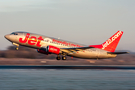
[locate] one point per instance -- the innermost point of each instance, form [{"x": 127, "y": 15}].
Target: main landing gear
[
  {"x": 58, "y": 57},
  {"x": 63, "y": 57}
]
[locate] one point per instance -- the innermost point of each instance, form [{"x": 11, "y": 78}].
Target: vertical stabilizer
[{"x": 111, "y": 43}]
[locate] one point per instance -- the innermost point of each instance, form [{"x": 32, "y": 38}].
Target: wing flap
[
  {"x": 75, "y": 49},
  {"x": 117, "y": 52}
]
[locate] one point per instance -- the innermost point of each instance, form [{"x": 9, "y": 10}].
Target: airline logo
[
  {"x": 31, "y": 40},
  {"x": 53, "y": 49},
  {"x": 112, "y": 39}
]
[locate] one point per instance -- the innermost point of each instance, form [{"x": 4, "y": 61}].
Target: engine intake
[{"x": 43, "y": 51}]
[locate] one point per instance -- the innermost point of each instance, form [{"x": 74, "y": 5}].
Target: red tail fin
[{"x": 111, "y": 43}]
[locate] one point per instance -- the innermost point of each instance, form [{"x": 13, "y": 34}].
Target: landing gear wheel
[
  {"x": 17, "y": 48},
  {"x": 64, "y": 58},
  {"x": 58, "y": 57}
]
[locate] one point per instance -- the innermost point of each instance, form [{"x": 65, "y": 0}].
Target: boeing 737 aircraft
[{"x": 49, "y": 45}]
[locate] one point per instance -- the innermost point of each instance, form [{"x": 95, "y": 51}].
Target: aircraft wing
[{"x": 75, "y": 49}]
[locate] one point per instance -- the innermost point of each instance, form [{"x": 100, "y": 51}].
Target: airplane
[{"x": 49, "y": 45}]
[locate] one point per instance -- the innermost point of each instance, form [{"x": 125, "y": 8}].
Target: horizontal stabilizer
[{"x": 117, "y": 52}]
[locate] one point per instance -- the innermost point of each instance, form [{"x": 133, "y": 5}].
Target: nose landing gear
[
  {"x": 17, "y": 48},
  {"x": 17, "y": 45}
]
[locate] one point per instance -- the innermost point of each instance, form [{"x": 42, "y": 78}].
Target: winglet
[{"x": 111, "y": 43}]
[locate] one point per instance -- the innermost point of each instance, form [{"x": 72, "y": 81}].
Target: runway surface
[{"x": 66, "y": 67}]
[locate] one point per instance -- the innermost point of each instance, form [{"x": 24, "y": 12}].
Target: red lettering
[
  {"x": 38, "y": 43},
  {"x": 32, "y": 40},
  {"x": 54, "y": 40},
  {"x": 78, "y": 46},
  {"x": 67, "y": 44},
  {"x": 72, "y": 45},
  {"x": 25, "y": 40},
  {"x": 40, "y": 38},
  {"x": 58, "y": 41}
]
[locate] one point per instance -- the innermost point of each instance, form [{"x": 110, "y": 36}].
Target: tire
[
  {"x": 58, "y": 58},
  {"x": 64, "y": 58}
]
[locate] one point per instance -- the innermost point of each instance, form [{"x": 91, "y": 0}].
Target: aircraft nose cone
[{"x": 7, "y": 36}]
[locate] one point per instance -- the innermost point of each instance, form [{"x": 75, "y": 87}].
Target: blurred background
[{"x": 87, "y": 22}]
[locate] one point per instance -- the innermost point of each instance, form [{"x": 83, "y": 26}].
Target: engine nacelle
[
  {"x": 43, "y": 51},
  {"x": 53, "y": 49},
  {"x": 49, "y": 49}
]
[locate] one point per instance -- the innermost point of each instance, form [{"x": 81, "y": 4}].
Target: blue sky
[{"x": 82, "y": 21}]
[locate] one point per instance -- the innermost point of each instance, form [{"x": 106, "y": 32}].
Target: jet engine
[
  {"x": 49, "y": 49},
  {"x": 53, "y": 49},
  {"x": 43, "y": 51}
]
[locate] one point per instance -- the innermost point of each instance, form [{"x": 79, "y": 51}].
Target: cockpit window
[{"x": 14, "y": 33}]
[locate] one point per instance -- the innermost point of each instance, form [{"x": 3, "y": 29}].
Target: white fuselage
[{"x": 38, "y": 41}]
